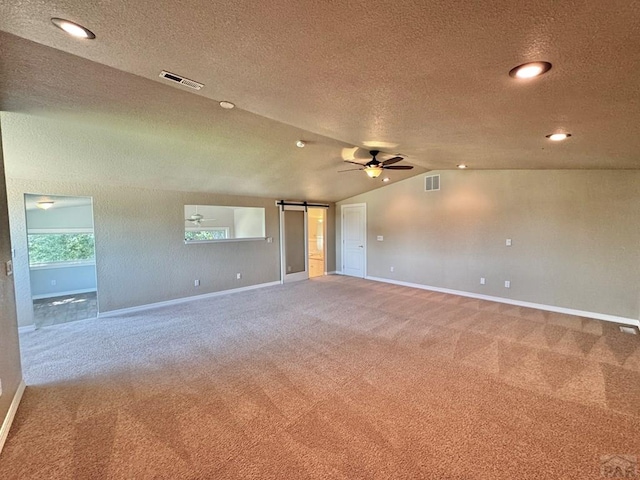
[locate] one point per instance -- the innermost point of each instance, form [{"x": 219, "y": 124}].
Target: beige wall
[
  {"x": 575, "y": 234},
  {"x": 330, "y": 238},
  {"x": 141, "y": 256},
  {"x": 10, "y": 371}
]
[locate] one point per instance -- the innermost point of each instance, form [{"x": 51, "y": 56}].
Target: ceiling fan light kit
[
  {"x": 373, "y": 172},
  {"x": 373, "y": 168}
]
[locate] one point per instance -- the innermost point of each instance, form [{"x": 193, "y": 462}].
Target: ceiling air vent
[
  {"x": 181, "y": 80},
  {"x": 431, "y": 183}
]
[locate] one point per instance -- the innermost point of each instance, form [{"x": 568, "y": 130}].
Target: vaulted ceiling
[{"x": 426, "y": 79}]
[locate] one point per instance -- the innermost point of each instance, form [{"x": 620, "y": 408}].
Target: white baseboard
[
  {"x": 62, "y": 294},
  {"x": 539, "y": 306},
  {"x": 26, "y": 328},
  {"x": 13, "y": 408},
  {"x": 177, "y": 301}
]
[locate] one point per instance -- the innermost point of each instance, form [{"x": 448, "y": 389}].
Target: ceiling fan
[
  {"x": 196, "y": 219},
  {"x": 374, "y": 167}
]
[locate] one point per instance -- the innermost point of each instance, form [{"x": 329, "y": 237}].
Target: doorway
[
  {"x": 62, "y": 261},
  {"x": 354, "y": 240},
  {"x": 302, "y": 240},
  {"x": 316, "y": 241}
]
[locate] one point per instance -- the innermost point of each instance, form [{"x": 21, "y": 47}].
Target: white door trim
[{"x": 342, "y": 240}]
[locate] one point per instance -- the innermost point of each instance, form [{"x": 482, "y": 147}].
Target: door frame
[
  {"x": 362, "y": 206},
  {"x": 292, "y": 277},
  {"x": 27, "y": 284}
]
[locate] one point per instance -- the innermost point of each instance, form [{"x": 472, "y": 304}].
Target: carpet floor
[{"x": 331, "y": 378}]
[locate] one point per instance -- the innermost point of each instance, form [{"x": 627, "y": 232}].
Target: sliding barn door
[{"x": 293, "y": 228}]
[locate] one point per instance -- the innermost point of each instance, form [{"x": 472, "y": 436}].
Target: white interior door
[
  {"x": 354, "y": 240},
  {"x": 293, "y": 235}
]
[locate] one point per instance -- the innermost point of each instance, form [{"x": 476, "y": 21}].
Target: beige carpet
[{"x": 332, "y": 378}]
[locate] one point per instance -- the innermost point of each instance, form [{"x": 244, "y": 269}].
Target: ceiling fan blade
[
  {"x": 398, "y": 167},
  {"x": 355, "y": 163},
  {"x": 350, "y": 170},
  {"x": 391, "y": 161}
]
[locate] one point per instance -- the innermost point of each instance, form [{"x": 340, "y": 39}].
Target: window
[
  {"x": 48, "y": 248},
  {"x": 219, "y": 223},
  {"x": 200, "y": 235}
]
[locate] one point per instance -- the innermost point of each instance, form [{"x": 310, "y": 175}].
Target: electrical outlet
[
  {"x": 53, "y": 283},
  {"x": 238, "y": 276},
  {"x": 0, "y": 387},
  {"x": 508, "y": 242},
  {"x": 391, "y": 269},
  {"x": 9, "y": 268},
  {"x": 196, "y": 283},
  {"x": 482, "y": 281},
  {"x": 507, "y": 284},
  {"x": 380, "y": 238},
  {"x": 269, "y": 239}
]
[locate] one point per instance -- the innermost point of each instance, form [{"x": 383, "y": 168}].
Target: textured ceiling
[{"x": 429, "y": 79}]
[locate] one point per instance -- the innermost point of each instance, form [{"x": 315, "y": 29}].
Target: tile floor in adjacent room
[{"x": 68, "y": 308}]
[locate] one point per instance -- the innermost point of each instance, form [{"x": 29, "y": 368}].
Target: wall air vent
[
  {"x": 629, "y": 330},
  {"x": 431, "y": 183},
  {"x": 181, "y": 80}
]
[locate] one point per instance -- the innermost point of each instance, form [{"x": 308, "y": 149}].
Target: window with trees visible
[
  {"x": 220, "y": 233},
  {"x": 48, "y": 248}
]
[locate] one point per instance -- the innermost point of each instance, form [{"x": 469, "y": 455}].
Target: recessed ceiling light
[
  {"x": 227, "y": 105},
  {"x": 385, "y": 179},
  {"x": 558, "y": 137},
  {"x": 45, "y": 205},
  {"x": 530, "y": 70},
  {"x": 73, "y": 29},
  {"x": 462, "y": 166},
  {"x": 300, "y": 144}
]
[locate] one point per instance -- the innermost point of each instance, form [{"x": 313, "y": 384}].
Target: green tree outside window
[{"x": 60, "y": 247}]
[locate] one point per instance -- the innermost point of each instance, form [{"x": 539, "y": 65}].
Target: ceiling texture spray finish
[{"x": 429, "y": 77}]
